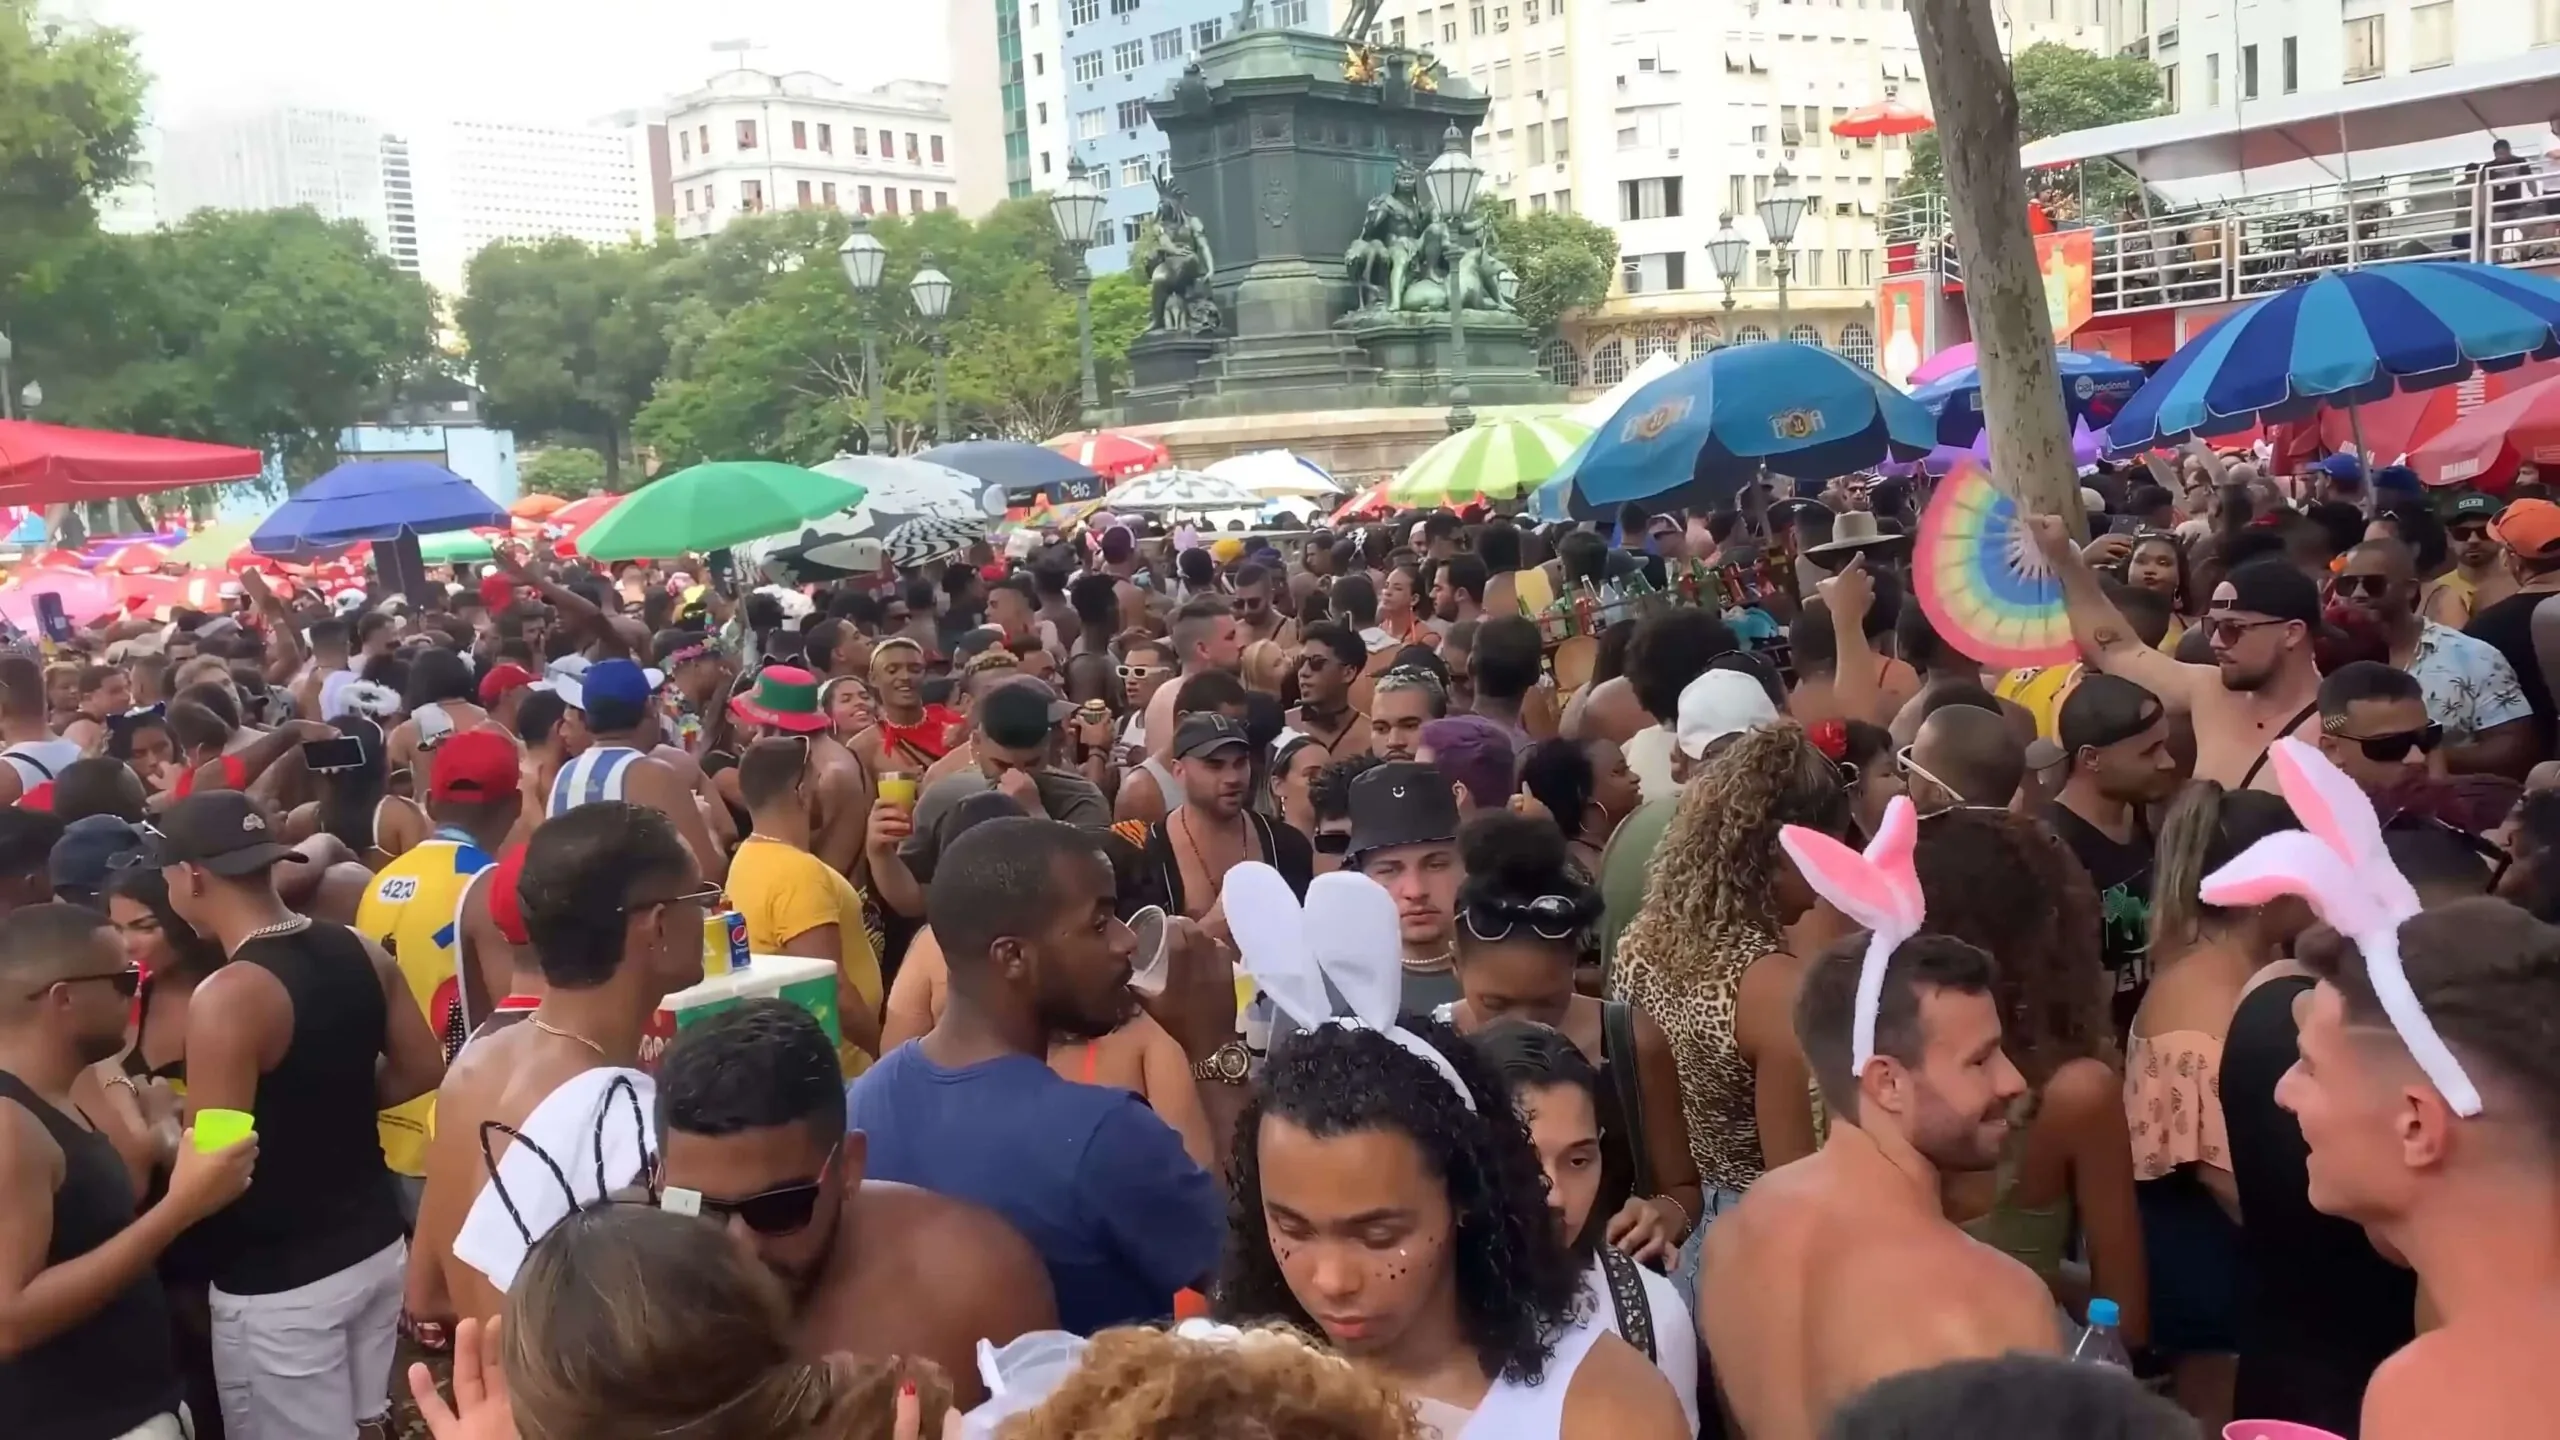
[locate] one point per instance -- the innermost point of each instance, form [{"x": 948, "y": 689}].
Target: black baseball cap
[
  {"x": 1202, "y": 731},
  {"x": 91, "y": 850},
  {"x": 1402, "y": 802},
  {"x": 221, "y": 830},
  {"x": 2102, "y": 710},
  {"x": 1019, "y": 714},
  {"x": 2274, "y": 588}
]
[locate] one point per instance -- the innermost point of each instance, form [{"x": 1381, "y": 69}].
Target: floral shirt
[{"x": 2469, "y": 685}]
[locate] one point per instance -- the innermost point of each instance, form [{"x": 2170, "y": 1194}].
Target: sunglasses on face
[
  {"x": 2393, "y": 748},
  {"x": 783, "y": 1210},
  {"x": 127, "y": 982},
  {"x": 2225, "y": 631},
  {"x": 705, "y": 894},
  {"x": 1142, "y": 672},
  {"x": 2464, "y": 533},
  {"x": 2374, "y": 585}
]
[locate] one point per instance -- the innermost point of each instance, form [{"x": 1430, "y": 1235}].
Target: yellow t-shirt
[
  {"x": 2040, "y": 692},
  {"x": 785, "y": 892},
  {"x": 414, "y": 910}
]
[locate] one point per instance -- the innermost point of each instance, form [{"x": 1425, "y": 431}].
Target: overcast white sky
[{"x": 547, "y": 60}]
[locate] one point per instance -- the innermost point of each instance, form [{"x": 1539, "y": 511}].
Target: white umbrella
[
  {"x": 897, "y": 490},
  {"x": 1180, "y": 490},
  {"x": 1275, "y": 474},
  {"x": 1600, "y": 409},
  {"x": 905, "y": 487}
]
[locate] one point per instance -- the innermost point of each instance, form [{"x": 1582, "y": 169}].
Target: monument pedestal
[{"x": 1417, "y": 357}]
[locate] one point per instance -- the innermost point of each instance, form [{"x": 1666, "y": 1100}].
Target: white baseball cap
[{"x": 1721, "y": 703}]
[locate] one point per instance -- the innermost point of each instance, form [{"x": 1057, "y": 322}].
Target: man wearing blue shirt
[{"x": 1024, "y": 911}]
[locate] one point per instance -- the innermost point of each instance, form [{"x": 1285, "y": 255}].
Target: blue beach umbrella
[
  {"x": 1694, "y": 436},
  {"x": 2344, "y": 338},
  {"x": 375, "y": 500},
  {"x": 1027, "y": 472},
  {"x": 2094, "y": 388}
]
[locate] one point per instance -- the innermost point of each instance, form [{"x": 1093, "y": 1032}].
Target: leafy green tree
[
  {"x": 70, "y": 131},
  {"x": 566, "y": 338},
  {"x": 2060, "y": 90},
  {"x": 1119, "y": 318},
  {"x": 568, "y": 471},
  {"x": 1564, "y": 262}
]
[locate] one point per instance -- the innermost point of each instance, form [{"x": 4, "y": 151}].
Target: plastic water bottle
[{"x": 2100, "y": 1344}]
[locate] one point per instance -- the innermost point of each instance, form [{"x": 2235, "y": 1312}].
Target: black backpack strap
[
  {"x": 2305, "y": 713},
  {"x": 1618, "y": 1057},
  {"x": 23, "y": 757},
  {"x": 1626, "y": 1297}
]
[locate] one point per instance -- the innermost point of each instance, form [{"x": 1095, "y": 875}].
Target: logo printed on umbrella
[
  {"x": 2083, "y": 386},
  {"x": 1651, "y": 424},
  {"x": 1796, "y": 424}
]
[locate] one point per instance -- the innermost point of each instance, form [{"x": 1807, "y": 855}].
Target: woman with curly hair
[
  {"x": 1706, "y": 957},
  {"x": 2006, "y": 886},
  {"x": 1137, "y": 1384},
  {"x": 1407, "y": 1222}
]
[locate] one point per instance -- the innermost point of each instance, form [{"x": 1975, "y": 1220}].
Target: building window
[
  {"x": 888, "y": 146},
  {"x": 889, "y": 197},
  {"x": 1475, "y": 19},
  {"x": 861, "y": 141},
  {"x": 1537, "y": 144},
  {"x": 1559, "y": 362},
  {"x": 805, "y": 195},
  {"x": 1702, "y": 340},
  {"x": 2546, "y": 22},
  {"x": 2292, "y": 64},
  {"x": 799, "y": 134},
  {"x": 1858, "y": 345},
  {"x": 2248, "y": 76},
  {"x": 1129, "y": 230},
  {"x": 826, "y": 138},
  {"x": 827, "y": 194},
  {"x": 2213, "y": 81},
  {"x": 751, "y": 196},
  {"x": 1675, "y": 270},
  {"x": 2431, "y": 35},
  {"x": 1449, "y": 32},
  {"x": 1559, "y": 141},
  {"x": 1653, "y": 199},
  {"x": 1044, "y": 162},
  {"x": 1083, "y": 12},
  {"x": 1749, "y": 335},
  {"x": 1039, "y": 63},
  {"x": 702, "y": 141},
  {"x": 1128, "y": 55},
  {"x": 1089, "y": 124},
  {"x": 688, "y": 199},
  {"x": 1866, "y": 267},
  {"x": 710, "y": 200},
  {"x": 1806, "y": 335},
  {"x": 941, "y": 199},
  {"x": 912, "y": 157},
  {"x": 2363, "y": 48},
  {"x": 1761, "y": 273},
  {"x": 1133, "y": 114},
  {"x": 684, "y": 144},
  {"x": 1285, "y": 13},
  {"x": 1813, "y": 268},
  {"x": 1124, "y": 7},
  {"x": 1609, "y": 362},
  {"x": 2170, "y": 92},
  {"x": 1205, "y": 33},
  {"x": 862, "y": 198},
  {"x": 1166, "y": 44},
  {"x": 1133, "y": 173},
  {"x": 746, "y": 134}
]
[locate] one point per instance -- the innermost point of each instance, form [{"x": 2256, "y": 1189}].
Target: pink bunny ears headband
[
  {"x": 1357, "y": 946},
  {"x": 2337, "y": 863},
  {"x": 1879, "y": 889}
]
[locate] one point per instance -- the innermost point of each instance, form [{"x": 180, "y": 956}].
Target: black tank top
[
  {"x": 116, "y": 1369},
  {"x": 322, "y": 1198}
]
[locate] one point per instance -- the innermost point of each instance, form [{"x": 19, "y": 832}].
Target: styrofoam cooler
[{"x": 805, "y": 982}]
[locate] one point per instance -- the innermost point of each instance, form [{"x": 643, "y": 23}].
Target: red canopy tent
[{"x": 50, "y": 464}]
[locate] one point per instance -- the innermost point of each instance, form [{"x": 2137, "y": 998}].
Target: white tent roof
[{"x": 1600, "y": 409}]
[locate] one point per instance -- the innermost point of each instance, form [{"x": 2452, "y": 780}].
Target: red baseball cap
[
  {"x": 506, "y": 906},
  {"x": 503, "y": 677},
  {"x": 474, "y": 765}
]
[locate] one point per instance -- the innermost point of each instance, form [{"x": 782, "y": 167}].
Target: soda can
[
  {"x": 735, "y": 925},
  {"x": 715, "y": 944}
]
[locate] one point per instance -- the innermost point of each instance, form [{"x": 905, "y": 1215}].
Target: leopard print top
[{"x": 1693, "y": 994}]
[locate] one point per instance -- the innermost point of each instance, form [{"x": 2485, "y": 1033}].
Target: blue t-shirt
[{"x": 1095, "y": 1180}]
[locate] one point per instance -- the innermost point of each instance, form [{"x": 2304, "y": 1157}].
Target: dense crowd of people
[{"x": 1278, "y": 986}]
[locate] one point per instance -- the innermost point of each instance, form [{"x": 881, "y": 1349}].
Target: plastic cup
[
  {"x": 2275, "y": 1430},
  {"x": 1151, "y": 966},
  {"x": 898, "y": 788},
  {"x": 222, "y": 1129}
]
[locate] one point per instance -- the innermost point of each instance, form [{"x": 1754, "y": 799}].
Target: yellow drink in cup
[
  {"x": 898, "y": 788},
  {"x": 222, "y": 1129}
]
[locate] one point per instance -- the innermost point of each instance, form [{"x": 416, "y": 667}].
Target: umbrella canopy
[
  {"x": 923, "y": 541},
  {"x": 213, "y": 544},
  {"x": 1696, "y": 435},
  {"x": 896, "y": 491},
  {"x": 44, "y": 464},
  {"x": 907, "y": 486},
  {"x": 1500, "y": 460},
  {"x": 1945, "y": 362},
  {"x": 465, "y": 548},
  {"x": 2490, "y": 441},
  {"x": 1192, "y": 490},
  {"x": 1600, "y": 409},
  {"x": 84, "y": 596},
  {"x": 1023, "y": 470},
  {"x": 2094, "y": 388},
  {"x": 536, "y": 507},
  {"x": 1111, "y": 454},
  {"x": 573, "y": 520},
  {"x": 374, "y": 500},
  {"x": 706, "y": 507},
  {"x": 1277, "y": 474},
  {"x": 1373, "y": 502},
  {"x": 1886, "y": 117},
  {"x": 140, "y": 558},
  {"x": 2344, "y": 337}
]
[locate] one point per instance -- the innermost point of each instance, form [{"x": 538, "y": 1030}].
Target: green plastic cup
[{"x": 222, "y": 1129}]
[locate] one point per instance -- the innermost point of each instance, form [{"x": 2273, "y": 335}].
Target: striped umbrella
[
  {"x": 1189, "y": 490},
  {"x": 2346, "y": 337},
  {"x": 923, "y": 541},
  {"x": 1498, "y": 460}
]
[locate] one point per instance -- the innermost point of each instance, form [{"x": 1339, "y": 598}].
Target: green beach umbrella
[
  {"x": 724, "y": 502},
  {"x": 212, "y": 545},
  {"x": 1500, "y": 459},
  {"x": 458, "y": 547}
]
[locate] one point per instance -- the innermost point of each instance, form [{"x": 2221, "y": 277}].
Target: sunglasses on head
[
  {"x": 783, "y": 1210},
  {"x": 1333, "y": 842},
  {"x": 2395, "y": 747}
]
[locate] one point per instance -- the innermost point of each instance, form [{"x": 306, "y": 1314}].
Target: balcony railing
[{"x": 2243, "y": 249}]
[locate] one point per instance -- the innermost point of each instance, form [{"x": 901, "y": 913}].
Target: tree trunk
[
  {"x": 612, "y": 456},
  {"x": 1977, "y": 112}
]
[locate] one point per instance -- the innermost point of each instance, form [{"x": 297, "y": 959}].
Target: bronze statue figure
[{"x": 1178, "y": 264}]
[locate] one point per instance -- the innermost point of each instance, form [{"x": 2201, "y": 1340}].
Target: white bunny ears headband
[
  {"x": 1879, "y": 889},
  {"x": 1358, "y": 946},
  {"x": 2337, "y": 863}
]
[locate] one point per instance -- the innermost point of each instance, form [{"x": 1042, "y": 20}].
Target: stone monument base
[{"x": 1417, "y": 357}]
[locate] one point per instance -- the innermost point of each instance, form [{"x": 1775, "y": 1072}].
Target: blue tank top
[{"x": 596, "y": 775}]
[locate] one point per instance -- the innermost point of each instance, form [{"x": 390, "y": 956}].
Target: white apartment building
[
  {"x": 274, "y": 158},
  {"x": 399, "y": 204},
  {"x": 2223, "y": 54},
  {"x": 748, "y": 141},
  {"x": 482, "y": 181},
  {"x": 1516, "y": 52}
]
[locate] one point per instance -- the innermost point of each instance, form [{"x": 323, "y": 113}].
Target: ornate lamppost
[
  {"x": 1453, "y": 180},
  {"x": 932, "y": 291},
  {"x": 863, "y": 257},
  {"x": 1076, "y": 208}
]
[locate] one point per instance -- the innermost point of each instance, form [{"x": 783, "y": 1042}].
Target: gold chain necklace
[{"x": 547, "y": 1028}]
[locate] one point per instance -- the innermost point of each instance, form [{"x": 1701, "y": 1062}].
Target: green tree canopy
[
  {"x": 70, "y": 129},
  {"x": 2060, "y": 89},
  {"x": 567, "y": 338},
  {"x": 568, "y": 471},
  {"x": 1563, "y": 261}
]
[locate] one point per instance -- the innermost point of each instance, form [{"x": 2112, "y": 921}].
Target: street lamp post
[
  {"x": 1728, "y": 252},
  {"x": 1780, "y": 212},
  {"x": 30, "y": 397},
  {"x": 7, "y": 353},
  {"x": 863, "y": 256},
  {"x": 1076, "y": 207},
  {"x": 932, "y": 291},
  {"x": 1453, "y": 180}
]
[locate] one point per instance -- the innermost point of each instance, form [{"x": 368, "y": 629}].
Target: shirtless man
[
  {"x": 1331, "y": 659},
  {"x": 613, "y": 903},
  {"x": 785, "y": 702},
  {"x": 613, "y": 740},
  {"x": 1841, "y": 1269},
  {"x": 1205, "y": 637},
  {"x": 2263, "y": 684},
  {"x": 2467, "y": 1201},
  {"x": 1256, "y": 616},
  {"x": 909, "y": 735},
  {"x": 751, "y": 1119}
]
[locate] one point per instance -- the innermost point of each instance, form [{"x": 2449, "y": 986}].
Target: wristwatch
[{"x": 1229, "y": 1064}]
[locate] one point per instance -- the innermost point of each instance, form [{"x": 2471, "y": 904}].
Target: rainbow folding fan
[{"x": 1981, "y": 580}]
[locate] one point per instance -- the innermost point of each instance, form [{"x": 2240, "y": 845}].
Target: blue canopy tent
[{"x": 389, "y": 502}]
